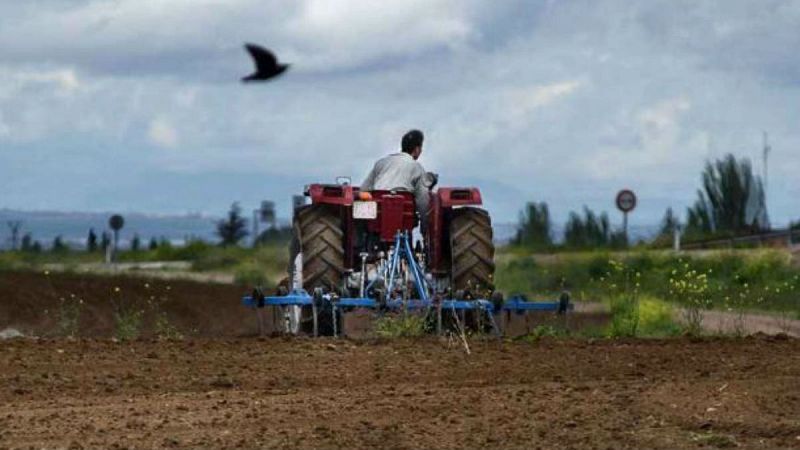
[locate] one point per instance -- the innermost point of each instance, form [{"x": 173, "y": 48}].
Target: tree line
[{"x": 730, "y": 202}]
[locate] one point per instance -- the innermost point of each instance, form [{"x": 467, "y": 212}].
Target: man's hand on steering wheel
[{"x": 433, "y": 180}]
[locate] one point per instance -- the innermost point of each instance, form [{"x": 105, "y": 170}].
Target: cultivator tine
[
  {"x": 314, "y": 316},
  {"x": 258, "y": 298},
  {"x": 438, "y": 304},
  {"x": 334, "y": 300},
  {"x": 495, "y": 329},
  {"x": 314, "y": 301}
]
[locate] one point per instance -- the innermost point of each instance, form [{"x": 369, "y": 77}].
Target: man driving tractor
[{"x": 402, "y": 172}]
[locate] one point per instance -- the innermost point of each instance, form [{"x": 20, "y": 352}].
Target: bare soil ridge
[{"x": 251, "y": 393}]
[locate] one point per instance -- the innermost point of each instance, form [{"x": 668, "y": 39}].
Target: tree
[
  {"x": 27, "y": 243},
  {"x": 731, "y": 200},
  {"x": 666, "y": 230},
  {"x": 136, "y": 243},
  {"x": 234, "y": 228},
  {"x": 91, "y": 241},
  {"x": 591, "y": 231},
  {"x": 153, "y": 243},
  {"x": 59, "y": 246},
  {"x": 534, "y": 226},
  {"x": 164, "y": 243},
  {"x": 14, "y": 227},
  {"x": 669, "y": 223}
]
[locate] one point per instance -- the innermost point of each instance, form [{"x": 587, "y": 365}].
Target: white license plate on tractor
[{"x": 365, "y": 210}]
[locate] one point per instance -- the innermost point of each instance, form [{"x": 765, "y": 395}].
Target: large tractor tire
[
  {"x": 320, "y": 239},
  {"x": 472, "y": 251}
]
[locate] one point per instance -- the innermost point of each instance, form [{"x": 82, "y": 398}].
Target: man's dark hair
[{"x": 412, "y": 140}]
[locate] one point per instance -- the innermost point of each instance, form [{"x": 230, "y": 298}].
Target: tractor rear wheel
[
  {"x": 318, "y": 231},
  {"x": 319, "y": 241},
  {"x": 472, "y": 252}
]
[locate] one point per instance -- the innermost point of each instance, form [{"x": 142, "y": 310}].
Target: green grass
[
  {"x": 764, "y": 280},
  {"x": 264, "y": 265},
  {"x": 26, "y": 260},
  {"x": 644, "y": 288}
]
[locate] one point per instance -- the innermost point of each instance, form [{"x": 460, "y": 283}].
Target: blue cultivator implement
[{"x": 398, "y": 285}]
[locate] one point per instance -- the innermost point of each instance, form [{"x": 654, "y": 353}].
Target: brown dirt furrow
[{"x": 303, "y": 393}]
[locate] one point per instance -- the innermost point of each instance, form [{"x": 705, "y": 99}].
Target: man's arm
[
  {"x": 422, "y": 195},
  {"x": 369, "y": 182}
]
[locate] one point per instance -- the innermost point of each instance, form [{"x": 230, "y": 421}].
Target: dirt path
[
  {"x": 404, "y": 394},
  {"x": 163, "y": 270},
  {"x": 748, "y": 323}
]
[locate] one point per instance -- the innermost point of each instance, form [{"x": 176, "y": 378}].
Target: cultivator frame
[{"x": 320, "y": 301}]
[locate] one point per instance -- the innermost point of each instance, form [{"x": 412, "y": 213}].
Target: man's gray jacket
[{"x": 401, "y": 172}]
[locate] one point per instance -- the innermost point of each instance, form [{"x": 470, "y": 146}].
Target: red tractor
[
  {"x": 345, "y": 239},
  {"x": 358, "y": 250}
]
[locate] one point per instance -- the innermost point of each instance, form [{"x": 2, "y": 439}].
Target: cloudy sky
[{"x": 135, "y": 105}]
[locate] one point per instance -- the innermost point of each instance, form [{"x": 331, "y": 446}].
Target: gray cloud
[{"x": 559, "y": 101}]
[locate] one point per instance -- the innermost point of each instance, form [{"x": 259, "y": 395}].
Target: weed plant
[
  {"x": 69, "y": 315},
  {"x": 157, "y": 299},
  {"x": 400, "y": 325},
  {"x": 128, "y": 317},
  {"x": 622, "y": 289}
]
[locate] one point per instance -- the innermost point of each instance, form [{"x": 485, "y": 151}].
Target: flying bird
[{"x": 266, "y": 64}]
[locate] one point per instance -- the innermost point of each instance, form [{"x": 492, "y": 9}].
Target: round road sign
[
  {"x": 626, "y": 200},
  {"x": 116, "y": 222}
]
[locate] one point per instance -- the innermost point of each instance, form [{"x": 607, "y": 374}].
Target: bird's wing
[{"x": 263, "y": 58}]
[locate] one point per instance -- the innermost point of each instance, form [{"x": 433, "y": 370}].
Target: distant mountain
[{"x": 74, "y": 227}]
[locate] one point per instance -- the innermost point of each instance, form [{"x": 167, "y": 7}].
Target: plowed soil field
[{"x": 428, "y": 393}]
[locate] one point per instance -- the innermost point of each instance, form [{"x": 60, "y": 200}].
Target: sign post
[
  {"x": 626, "y": 202},
  {"x": 116, "y": 222}
]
